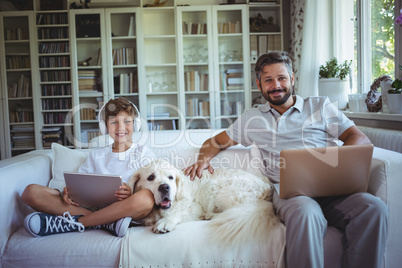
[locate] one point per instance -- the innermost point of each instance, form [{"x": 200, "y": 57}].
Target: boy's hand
[
  {"x": 67, "y": 200},
  {"x": 124, "y": 192}
]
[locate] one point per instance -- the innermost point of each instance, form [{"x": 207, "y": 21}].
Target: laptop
[
  {"x": 326, "y": 171},
  {"x": 92, "y": 190}
]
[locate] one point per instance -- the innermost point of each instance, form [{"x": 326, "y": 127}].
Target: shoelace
[
  {"x": 59, "y": 224},
  {"x": 109, "y": 227}
]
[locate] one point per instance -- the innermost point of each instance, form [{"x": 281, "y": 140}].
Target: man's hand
[
  {"x": 197, "y": 168},
  {"x": 209, "y": 149},
  {"x": 124, "y": 192},
  {"x": 67, "y": 200}
]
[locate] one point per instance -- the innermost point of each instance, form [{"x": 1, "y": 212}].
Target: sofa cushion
[
  {"x": 64, "y": 159},
  {"x": 92, "y": 248},
  {"x": 189, "y": 245}
]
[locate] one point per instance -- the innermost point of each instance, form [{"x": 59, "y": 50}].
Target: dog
[{"x": 237, "y": 202}]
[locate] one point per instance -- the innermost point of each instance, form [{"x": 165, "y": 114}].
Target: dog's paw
[{"x": 163, "y": 226}]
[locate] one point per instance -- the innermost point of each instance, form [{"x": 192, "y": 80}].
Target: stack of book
[
  {"x": 229, "y": 27},
  {"x": 16, "y": 34},
  {"x": 18, "y": 62},
  {"x": 20, "y": 89},
  {"x": 265, "y": 43},
  {"x": 87, "y": 114},
  {"x": 87, "y": 80},
  {"x": 88, "y": 134},
  {"x": 196, "y": 107},
  {"x": 123, "y": 56},
  {"x": 125, "y": 83},
  {"x": 231, "y": 107},
  {"x": 233, "y": 79},
  {"x": 194, "y": 28},
  {"x": 196, "y": 81},
  {"x": 22, "y": 136},
  {"x": 21, "y": 115},
  {"x": 50, "y": 135}
]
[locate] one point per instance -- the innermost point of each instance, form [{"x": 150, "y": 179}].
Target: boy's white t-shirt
[{"x": 124, "y": 164}]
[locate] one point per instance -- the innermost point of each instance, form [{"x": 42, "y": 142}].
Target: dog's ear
[
  {"x": 182, "y": 183},
  {"x": 133, "y": 180}
]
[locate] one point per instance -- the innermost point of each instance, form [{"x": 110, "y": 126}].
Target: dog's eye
[
  {"x": 151, "y": 177},
  {"x": 170, "y": 177}
]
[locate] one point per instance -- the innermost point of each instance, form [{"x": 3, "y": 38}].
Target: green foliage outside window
[{"x": 383, "y": 38}]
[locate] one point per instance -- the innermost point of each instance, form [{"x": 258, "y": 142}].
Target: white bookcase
[
  {"x": 53, "y": 88},
  {"x": 160, "y": 94},
  {"x": 17, "y": 62},
  {"x": 195, "y": 54},
  {"x": 186, "y": 65},
  {"x": 231, "y": 49},
  {"x": 105, "y": 63},
  {"x": 263, "y": 37}
]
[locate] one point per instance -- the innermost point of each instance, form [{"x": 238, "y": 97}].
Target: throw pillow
[{"x": 64, "y": 159}]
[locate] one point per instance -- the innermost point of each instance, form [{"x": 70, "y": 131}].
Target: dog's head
[{"x": 163, "y": 180}]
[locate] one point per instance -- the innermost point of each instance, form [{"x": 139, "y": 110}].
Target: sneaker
[
  {"x": 117, "y": 228},
  {"x": 41, "y": 224}
]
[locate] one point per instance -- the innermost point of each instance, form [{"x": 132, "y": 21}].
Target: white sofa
[{"x": 187, "y": 245}]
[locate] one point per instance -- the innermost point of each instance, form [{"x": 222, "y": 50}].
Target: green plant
[
  {"x": 396, "y": 85},
  {"x": 332, "y": 69}
]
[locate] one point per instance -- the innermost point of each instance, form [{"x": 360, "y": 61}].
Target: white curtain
[
  {"x": 313, "y": 40},
  {"x": 312, "y": 46}
]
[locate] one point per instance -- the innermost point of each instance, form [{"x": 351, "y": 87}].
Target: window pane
[
  {"x": 374, "y": 43},
  {"x": 383, "y": 38}
]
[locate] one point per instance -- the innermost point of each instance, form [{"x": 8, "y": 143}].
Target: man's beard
[{"x": 279, "y": 101}]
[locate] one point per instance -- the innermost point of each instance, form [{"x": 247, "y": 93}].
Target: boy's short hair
[
  {"x": 115, "y": 106},
  {"x": 272, "y": 58}
]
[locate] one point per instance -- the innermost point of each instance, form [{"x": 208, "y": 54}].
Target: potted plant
[
  {"x": 395, "y": 95},
  {"x": 334, "y": 81}
]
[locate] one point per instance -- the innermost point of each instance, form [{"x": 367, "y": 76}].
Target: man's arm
[
  {"x": 210, "y": 148},
  {"x": 353, "y": 135}
]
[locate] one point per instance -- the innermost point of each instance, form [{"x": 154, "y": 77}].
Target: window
[{"x": 375, "y": 43}]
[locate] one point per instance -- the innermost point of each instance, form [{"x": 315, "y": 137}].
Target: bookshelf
[
  {"x": 231, "y": 49},
  {"x": 182, "y": 64},
  {"x": 54, "y": 72},
  {"x": 17, "y": 81},
  {"x": 122, "y": 27},
  {"x": 89, "y": 70},
  {"x": 160, "y": 101},
  {"x": 266, "y": 34},
  {"x": 196, "y": 65}
]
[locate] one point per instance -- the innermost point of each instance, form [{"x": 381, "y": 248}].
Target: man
[{"x": 287, "y": 122}]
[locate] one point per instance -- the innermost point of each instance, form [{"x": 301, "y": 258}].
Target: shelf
[
  {"x": 56, "y": 97},
  {"x": 125, "y": 66},
  {"x": 54, "y": 54},
  {"x": 161, "y": 93},
  {"x": 21, "y": 123},
  {"x": 56, "y": 111},
  {"x": 265, "y": 33},
  {"x": 123, "y": 38},
  {"x": 16, "y": 41},
  {"x": 19, "y": 70},
  {"x": 22, "y": 98},
  {"x": 52, "y": 26}
]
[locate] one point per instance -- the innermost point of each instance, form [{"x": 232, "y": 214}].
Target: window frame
[{"x": 364, "y": 59}]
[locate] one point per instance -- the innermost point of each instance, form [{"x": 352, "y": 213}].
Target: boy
[{"x": 122, "y": 158}]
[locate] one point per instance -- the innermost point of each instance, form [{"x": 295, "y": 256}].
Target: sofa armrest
[
  {"x": 386, "y": 183},
  {"x": 16, "y": 173}
]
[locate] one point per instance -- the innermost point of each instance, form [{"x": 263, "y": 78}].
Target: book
[{"x": 131, "y": 28}]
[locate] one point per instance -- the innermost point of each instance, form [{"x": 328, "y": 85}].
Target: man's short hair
[{"x": 272, "y": 58}]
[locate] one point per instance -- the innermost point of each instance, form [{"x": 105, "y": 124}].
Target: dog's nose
[{"x": 164, "y": 188}]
